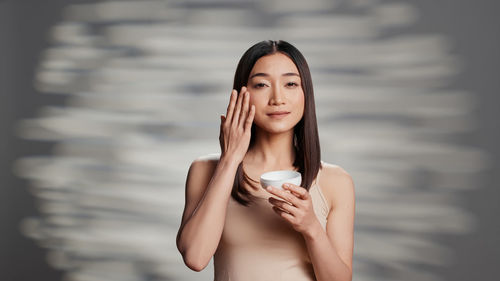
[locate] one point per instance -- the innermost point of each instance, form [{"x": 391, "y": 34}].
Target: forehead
[{"x": 275, "y": 64}]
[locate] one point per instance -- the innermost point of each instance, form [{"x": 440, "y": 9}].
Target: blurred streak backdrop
[{"x": 105, "y": 104}]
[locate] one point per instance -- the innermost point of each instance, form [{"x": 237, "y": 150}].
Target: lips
[{"x": 278, "y": 114}]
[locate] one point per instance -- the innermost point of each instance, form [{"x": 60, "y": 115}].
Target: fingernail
[{"x": 269, "y": 188}]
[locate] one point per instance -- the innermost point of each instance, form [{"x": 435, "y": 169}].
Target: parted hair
[{"x": 306, "y": 139}]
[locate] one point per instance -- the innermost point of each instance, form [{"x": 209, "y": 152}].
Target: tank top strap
[
  {"x": 316, "y": 181},
  {"x": 320, "y": 204}
]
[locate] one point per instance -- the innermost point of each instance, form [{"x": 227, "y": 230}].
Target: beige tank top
[{"x": 258, "y": 245}]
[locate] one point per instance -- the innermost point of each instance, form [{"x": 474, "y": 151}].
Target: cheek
[
  {"x": 259, "y": 102},
  {"x": 300, "y": 102}
]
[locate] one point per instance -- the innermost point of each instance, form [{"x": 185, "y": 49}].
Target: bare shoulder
[
  {"x": 198, "y": 177},
  {"x": 336, "y": 184},
  {"x": 200, "y": 173},
  {"x": 204, "y": 164}
]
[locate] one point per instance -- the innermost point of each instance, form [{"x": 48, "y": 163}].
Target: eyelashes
[{"x": 288, "y": 85}]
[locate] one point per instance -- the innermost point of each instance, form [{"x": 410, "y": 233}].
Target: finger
[
  {"x": 299, "y": 190},
  {"x": 283, "y": 214},
  {"x": 230, "y": 106},
  {"x": 287, "y": 196},
  {"x": 249, "y": 121},
  {"x": 286, "y": 206},
  {"x": 244, "y": 111},
  {"x": 237, "y": 109}
]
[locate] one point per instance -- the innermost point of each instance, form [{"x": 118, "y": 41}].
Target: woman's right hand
[
  {"x": 208, "y": 186},
  {"x": 236, "y": 126}
]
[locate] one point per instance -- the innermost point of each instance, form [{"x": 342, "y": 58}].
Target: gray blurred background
[{"x": 425, "y": 165}]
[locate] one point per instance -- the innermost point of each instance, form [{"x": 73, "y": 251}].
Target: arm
[
  {"x": 205, "y": 210},
  {"x": 331, "y": 250},
  {"x": 208, "y": 186}
]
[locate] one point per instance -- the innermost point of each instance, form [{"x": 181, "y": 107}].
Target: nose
[{"x": 277, "y": 97}]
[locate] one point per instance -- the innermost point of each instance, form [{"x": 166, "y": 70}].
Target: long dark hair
[{"x": 306, "y": 139}]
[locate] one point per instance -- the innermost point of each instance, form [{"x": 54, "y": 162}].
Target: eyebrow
[{"x": 267, "y": 75}]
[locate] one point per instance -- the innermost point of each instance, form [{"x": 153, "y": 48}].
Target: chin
[{"x": 276, "y": 128}]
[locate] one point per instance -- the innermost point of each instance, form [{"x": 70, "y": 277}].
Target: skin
[{"x": 273, "y": 86}]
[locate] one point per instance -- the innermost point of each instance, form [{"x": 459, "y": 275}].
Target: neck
[{"x": 272, "y": 151}]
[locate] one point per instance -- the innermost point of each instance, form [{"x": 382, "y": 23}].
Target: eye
[
  {"x": 259, "y": 85},
  {"x": 292, "y": 84}
]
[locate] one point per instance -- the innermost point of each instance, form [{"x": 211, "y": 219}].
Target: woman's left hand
[{"x": 296, "y": 209}]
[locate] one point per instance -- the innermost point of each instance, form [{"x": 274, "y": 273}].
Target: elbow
[
  {"x": 195, "y": 266},
  {"x": 193, "y": 260},
  {"x": 194, "y": 263}
]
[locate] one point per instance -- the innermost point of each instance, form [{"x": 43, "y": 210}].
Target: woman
[{"x": 295, "y": 233}]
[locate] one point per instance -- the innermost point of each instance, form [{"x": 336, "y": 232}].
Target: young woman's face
[{"x": 275, "y": 90}]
